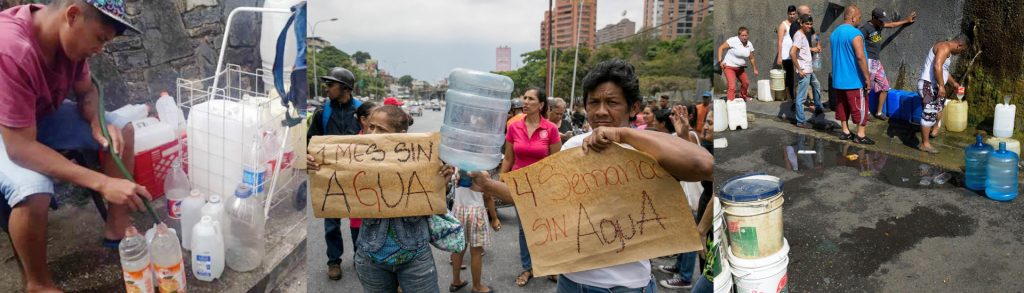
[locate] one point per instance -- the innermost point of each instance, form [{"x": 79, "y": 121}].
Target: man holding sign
[
  {"x": 636, "y": 209},
  {"x": 392, "y": 182}
]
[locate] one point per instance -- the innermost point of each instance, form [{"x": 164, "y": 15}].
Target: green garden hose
[{"x": 113, "y": 152}]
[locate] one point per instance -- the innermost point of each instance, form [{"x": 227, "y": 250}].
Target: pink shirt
[
  {"x": 29, "y": 88},
  {"x": 530, "y": 149}
]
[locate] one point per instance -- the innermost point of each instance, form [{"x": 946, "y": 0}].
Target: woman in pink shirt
[{"x": 527, "y": 141}]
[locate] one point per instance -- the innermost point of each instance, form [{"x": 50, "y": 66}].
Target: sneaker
[
  {"x": 863, "y": 140},
  {"x": 676, "y": 283},
  {"x": 804, "y": 125},
  {"x": 334, "y": 271},
  {"x": 672, "y": 270},
  {"x": 845, "y": 136}
]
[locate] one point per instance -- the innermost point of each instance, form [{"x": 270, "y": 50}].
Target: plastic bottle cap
[
  {"x": 206, "y": 219},
  {"x": 213, "y": 198},
  {"x": 243, "y": 191}
]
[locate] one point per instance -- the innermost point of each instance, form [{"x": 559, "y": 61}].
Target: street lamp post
[{"x": 316, "y": 89}]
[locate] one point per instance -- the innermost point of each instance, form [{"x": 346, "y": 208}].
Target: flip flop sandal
[
  {"x": 528, "y": 274},
  {"x": 453, "y": 288},
  {"x": 112, "y": 244},
  {"x": 930, "y": 150}
]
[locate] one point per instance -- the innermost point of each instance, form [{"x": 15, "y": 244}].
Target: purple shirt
[{"x": 29, "y": 89}]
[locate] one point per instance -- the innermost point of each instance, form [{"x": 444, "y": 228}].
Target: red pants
[
  {"x": 730, "y": 76},
  {"x": 852, "y": 106}
]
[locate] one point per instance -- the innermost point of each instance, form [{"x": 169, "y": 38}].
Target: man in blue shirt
[{"x": 850, "y": 76}]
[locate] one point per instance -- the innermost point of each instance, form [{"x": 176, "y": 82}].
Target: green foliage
[
  {"x": 405, "y": 80},
  {"x": 361, "y": 57}
]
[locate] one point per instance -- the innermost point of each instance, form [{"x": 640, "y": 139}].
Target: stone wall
[
  {"x": 180, "y": 39},
  {"x": 903, "y": 57}
]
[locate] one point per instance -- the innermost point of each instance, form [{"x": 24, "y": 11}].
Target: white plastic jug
[
  {"x": 218, "y": 133},
  {"x": 1002, "y": 126},
  {"x": 273, "y": 23},
  {"x": 721, "y": 116},
  {"x": 778, "y": 79},
  {"x": 191, "y": 212},
  {"x": 737, "y": 114},
  {"x": 124, "y": 115},
  {"x": 214, "y": 209},
  {"x": 208, "y": 250},
  {"x": 169, "y": 112},
  {"x": 764, "y": 90},
  {"x": 151, "y": 133}
]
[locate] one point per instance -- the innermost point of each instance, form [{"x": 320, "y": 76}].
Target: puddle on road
[{"x": 811, "y": 155}]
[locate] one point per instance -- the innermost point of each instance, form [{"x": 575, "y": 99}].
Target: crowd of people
[
  {"x": 857, "y": 71},
  {"x": 394, "y": 255}
]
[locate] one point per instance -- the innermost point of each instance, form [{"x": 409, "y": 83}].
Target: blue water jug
[
  {"x": 1001, "y": 177},
  {"x": 473, "y": 132},
  {"x": 975, "y": 162}
]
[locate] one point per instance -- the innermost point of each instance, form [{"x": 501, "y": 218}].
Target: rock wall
[
  {"x": 903, "y": 57},
  {"x": 180, "y": 39}
]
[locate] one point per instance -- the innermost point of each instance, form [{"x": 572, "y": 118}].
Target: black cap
[{"x": 880, "y": 14}]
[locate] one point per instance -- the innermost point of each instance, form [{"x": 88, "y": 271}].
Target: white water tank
[
  {"x": 721, "y": 116},
  {"x": 1002, "y": 126},
  {"x": 737, "y": 114},
  {"x": 764, "y": 90},
  {"x": 273, "y": 23}
]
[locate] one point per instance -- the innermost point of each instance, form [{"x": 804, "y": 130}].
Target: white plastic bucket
[
  {"x": 753, "y": 215},
  {"x": 764, "y": 90},
  {"x": 778, "y": 79},
  {"x": 1012, "y": 145},
  {"x": 737, "y": 109},
  {"x": 767, "y": 274},
  {"x": 723, "y": 281}
]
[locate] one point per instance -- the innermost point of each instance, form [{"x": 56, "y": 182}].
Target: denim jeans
[
  {"x": 418, "y": 275},
  {"x": 703, "y": 285},
  {"x": 568, "y": 286},
  {"x": 684, "y": 262},
  {"x": 524, "y": 253},
  {"x": 335, "y": 245},
  {"x": 801, "y": 94}
]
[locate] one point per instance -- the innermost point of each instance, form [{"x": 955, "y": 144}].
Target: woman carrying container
[
  {"x": 730, "y": 56},
  {"x": 611, "y": 95},
  {"x": 527, "y": 141}
]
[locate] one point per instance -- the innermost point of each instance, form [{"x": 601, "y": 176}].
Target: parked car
[
  {"x": 415, "y": 110},
  {"x": 434, "y": 105}
]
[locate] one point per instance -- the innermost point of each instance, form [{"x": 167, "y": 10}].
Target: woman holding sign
[
  {"x": 527, "y": 141},
  {"x": 611, "y": 96}
]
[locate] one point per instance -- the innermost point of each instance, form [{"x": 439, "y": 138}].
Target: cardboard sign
[
  {"x": 377, "y": 176},
  {"x": 590, "y": 211}
]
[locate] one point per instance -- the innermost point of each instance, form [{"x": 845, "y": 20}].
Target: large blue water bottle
[
  {"x": 975, "y": 162},
  {"x": 1001, "y": 180},
  {"x": 477, "y": 104}
]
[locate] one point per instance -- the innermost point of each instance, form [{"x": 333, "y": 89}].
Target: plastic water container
[
  {"x": 764, "y": 90},
  {"x": 191, "y": 212},
  {"x": 214, "y": 208},
  {"x": 254, "y": 171},
  {"x": 151, "y": 133},
  {"x": 778, "y": 79},
  {"x": 128, "y": 113},
  {"x": 721, "y": 116},
  {"x": 753, "y": 215},
  {"x": 975, "y": 163},
  {"x": 168, "y": 264},
  {"x": 219, "y": 133},
  {"x": 208, "y": 253},
  {"x": 767, "y": 274},
  {"x": 955, "y": 116},
  {"x": 1001, "y": 174},
  {"x": 245, "y": 243},
  {"x": 169, "y": 112},
  {"x": 1012, "y": 145},
  {"x": 1002, "y": 126},
  {"x": 273, "y": 24},
  {"x": 135, "y": 264},
  {"x": 474, "y": 119},
  {"x": 737, "y": 114},
  {"x": 177, "y": 187}
]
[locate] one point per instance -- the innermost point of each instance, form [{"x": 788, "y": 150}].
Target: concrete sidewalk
[{"x": 80, "y": 264}]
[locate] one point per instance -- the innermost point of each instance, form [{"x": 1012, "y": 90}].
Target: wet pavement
[{"x": 870, "y": 222}]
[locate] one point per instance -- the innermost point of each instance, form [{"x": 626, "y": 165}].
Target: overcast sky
[{"x": 426, "y": 39}]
